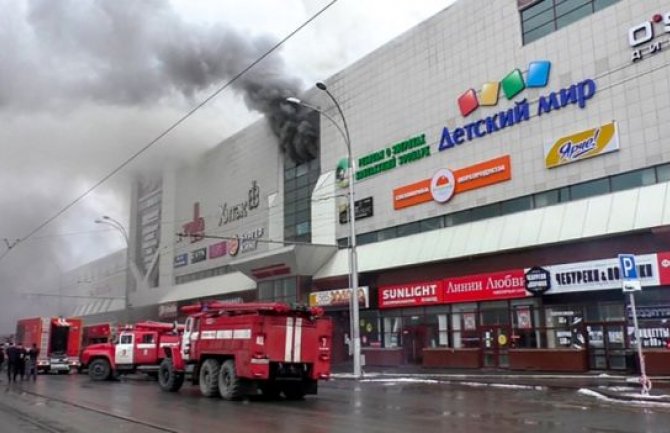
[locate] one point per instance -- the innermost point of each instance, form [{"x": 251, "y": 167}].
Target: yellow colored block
[{"x": 489, "y": 95}]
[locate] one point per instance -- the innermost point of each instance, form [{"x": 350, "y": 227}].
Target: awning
[
  {"x": 300, "y": 259},
  {"x": 617, "y": 213}
]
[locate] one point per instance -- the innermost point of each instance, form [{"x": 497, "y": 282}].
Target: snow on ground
[
  {"x": 644, "y": 401},
  {"x": 398, "y": 380}
]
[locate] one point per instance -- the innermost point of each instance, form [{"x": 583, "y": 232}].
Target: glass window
[
  {"x": 408, "y": 229},
  {"x": 602, "y": 4},
  {"x": 546, "y": 198},
  {"x": 536, "y": 9},
  {"x": 566, "y": 6},
  {"x": 589, "y": 189},
  {"x": 148, "y": 339},
  {"x": 537, "y": 20},
  {"x": 663, "y": 173},
  {"x": 343, "y": 243},
  {"x": 301, "y": 170},
  {"x": 289, "y": 174},
  {"x": 289, "y": 288},
  {"x": 437, "y": 222},
  {"x": 392, "y": 332},
  {"x": 484, "y": 212},
  {"x": 574, "y": 15},
  {"x": 516, "y": 205},
  {"x": 456, "y": 218},
  {"x": 302, "y": 228},
  {"x": 366, "y": 238},
  {"x": 126, "y": 339},
  {"x": 537, "y": 33},
  {"x": 388, "y": 233},
  {"x": 633, "y": 179}
]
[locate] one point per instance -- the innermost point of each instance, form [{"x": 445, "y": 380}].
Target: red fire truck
[
  {"x": 58, "y": 340},
  {"x": 98, "y": 333},
  {"x": 233, "y": 350},
  {"x": 137, "y": 349}
]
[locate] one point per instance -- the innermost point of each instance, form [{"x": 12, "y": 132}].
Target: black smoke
[{"x": 136, "y": 53}]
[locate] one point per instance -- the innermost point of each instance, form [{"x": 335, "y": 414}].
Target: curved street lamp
[{"x": 353, "y": 258}]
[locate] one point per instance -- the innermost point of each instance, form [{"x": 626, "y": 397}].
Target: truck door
[
  {"x": 146, "y": 348},
  {"x": 124, "y": 349},
  {"x": 186, "y": 339}
]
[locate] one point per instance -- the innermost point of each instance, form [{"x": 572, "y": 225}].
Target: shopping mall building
[{"x": 506, "y": 153}]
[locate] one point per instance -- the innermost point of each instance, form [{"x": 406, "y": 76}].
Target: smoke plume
[{"x": 128, "y": 52}]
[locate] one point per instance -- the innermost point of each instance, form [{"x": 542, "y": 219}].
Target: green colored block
[{"x": 512, "y": 84}]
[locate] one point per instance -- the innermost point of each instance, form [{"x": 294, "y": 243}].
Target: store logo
[
  {"x": 181, "y": 260},
  {"x": 446, "y": 183},
  {"x": 230, "y": 213},
  {"x": 537, "y": 280},
  {"x": 512, "y": 85},
  {"x": 582, "y": 145},
  {"x": 342, "y": 173},
  {"x": 644, "y": 33},
  {"x": 195, "y": 229},
  {"x": 443, "y": 185},
  {"x": 234, "y": 246}
]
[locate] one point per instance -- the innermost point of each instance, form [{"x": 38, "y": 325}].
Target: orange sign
[{"x": 467, "y": 178}]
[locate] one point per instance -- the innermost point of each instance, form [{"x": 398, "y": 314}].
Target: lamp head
[
  {"x": 293, "y": 100},
  {"x": 321, "y": 86}
]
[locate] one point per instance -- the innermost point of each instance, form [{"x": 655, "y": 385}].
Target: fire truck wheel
[
  {"x": 209, "y": 373},
  {"x": 99, "y": 370},
  {"x": 294, "y": 391},
  {"x": 168, "y": 379},
  {"x": 229, "y": 384}
]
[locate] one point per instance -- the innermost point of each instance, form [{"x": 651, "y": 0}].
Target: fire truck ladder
[{"x": 44, "y": 337}]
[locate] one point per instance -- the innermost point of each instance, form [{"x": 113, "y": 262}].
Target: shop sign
[
  {"x": 249, "y": 241},
  {"x": 513, "y": 84},
  {"x": 339, "y": 298},
  {"x": 445, "y": 183},
  {"x": 663, "y": 261},
  {"x": 599, "y": 274},
  {"x": 582, "y": 145},
  {"x": 168, "y": 310},
  {"x": 523, "y": 318},
  {"x": 469, "y": 322},
  {"x": 218, "y": 250},
  {"x": 181, "y": 260},
  {"x": 364, "y": 209},
  {"x": 199, "y": 255},
  {"x": 234, "y": 212},
  {"x": 653, "y": 338},
  {"x": 537, "y": 280},
  {"x": 383, "y": 160},
  {"x": 485, "y": 287},
  {"x": 643, "y": 37},
  {"x": 650, "y": 312},
  {"x": 411, "y": 295},
  {"x": 195, "y": 229}
]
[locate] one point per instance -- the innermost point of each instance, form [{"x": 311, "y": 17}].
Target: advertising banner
[
  {"x": 339, "y": 298},
  {"x": 485, "y": 287},
  {"x": 446, "y": 183},
  {"x": 582, "y": 145},
  {"x": 663, "y": 262},
  {"x": 599, "y": 274},
  {"x": 218, "y": 250},
  {"x": 411, "y": 295}
]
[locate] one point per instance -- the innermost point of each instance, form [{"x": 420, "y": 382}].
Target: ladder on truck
[{"x": 44, "y": 338}]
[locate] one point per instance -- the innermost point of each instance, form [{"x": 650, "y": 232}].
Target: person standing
[
  {"x": 20, "y": 366},
  {"x": 33, "y": 353},
  {"x": 2, "y": 357},
  {"x": 12, "y": 355}
]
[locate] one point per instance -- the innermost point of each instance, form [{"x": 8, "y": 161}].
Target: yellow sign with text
[{"x": 582, "y": 145}]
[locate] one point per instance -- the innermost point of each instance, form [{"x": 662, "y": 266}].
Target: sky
[{"x": 86, "y": 84}]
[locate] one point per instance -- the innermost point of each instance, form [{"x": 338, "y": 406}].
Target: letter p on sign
[{"x": 627, "y": 266}]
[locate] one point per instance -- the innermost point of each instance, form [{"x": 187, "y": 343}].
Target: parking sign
[{"x": 629, "y": 276}]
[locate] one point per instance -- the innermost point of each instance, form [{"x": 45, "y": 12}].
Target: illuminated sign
[
  {"x": 199, "y": 255},
  {"x": 391, "y": 157},
  {"x": 181, "y": 260},
  {"x": 582, "y": 145},
  {"x": 339, "y": 298},
  {"x": 218, "y": 250},
  {"x": 640, "y": 37},
  {"x": 445, "y": 183}
]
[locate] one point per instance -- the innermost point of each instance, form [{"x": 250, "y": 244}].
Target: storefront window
[
  {"x": 370, "y": 329},
  {"x": 392, "y": 332},
  {"x": 464, "y": 332},
  {"x": 564, "y": 327}
]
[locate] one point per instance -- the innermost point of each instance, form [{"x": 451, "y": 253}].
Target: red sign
[
  {"x": 195, "y": 229},
  {"x": 411, "y": 295},
  {"x": 485, "y": 287},
  {"x": 218, "y": 250},
  {"x": 663, "y": 268}
]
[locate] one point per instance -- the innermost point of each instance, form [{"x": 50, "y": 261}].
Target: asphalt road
[{"x": 73, "y": 404}]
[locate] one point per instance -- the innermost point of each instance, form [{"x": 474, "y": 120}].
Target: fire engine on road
[
  {"x": 232, "y": 350},
  {"x": 138, "y": 348}
]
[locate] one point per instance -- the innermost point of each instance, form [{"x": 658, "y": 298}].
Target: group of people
[{"x": 20, "y": 361}]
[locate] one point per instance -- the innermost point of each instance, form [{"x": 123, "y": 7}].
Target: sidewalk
[{"x": 623, "y": 387}]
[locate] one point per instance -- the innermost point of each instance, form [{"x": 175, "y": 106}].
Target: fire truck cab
[
  {"x": 232, "y": 350},
  {"x": 137, "y": 348}
]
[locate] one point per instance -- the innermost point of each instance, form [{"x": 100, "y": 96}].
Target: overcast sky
[{"x": 84, "y": 84}]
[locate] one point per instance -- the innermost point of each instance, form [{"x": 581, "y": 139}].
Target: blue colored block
[{"x": 538, "y": 73}]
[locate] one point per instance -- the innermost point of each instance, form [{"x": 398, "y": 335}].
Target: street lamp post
[
  {"x": 353, "y": 259},
  {"x": 133, "y": 268}
]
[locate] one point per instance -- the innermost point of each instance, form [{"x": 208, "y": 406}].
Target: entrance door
[
  {"x": 495, "y": 342},
  {"x": 414, "y": 341},
  {"x": 124, "y": 350},
  {"x": 607, "y": 345}
]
